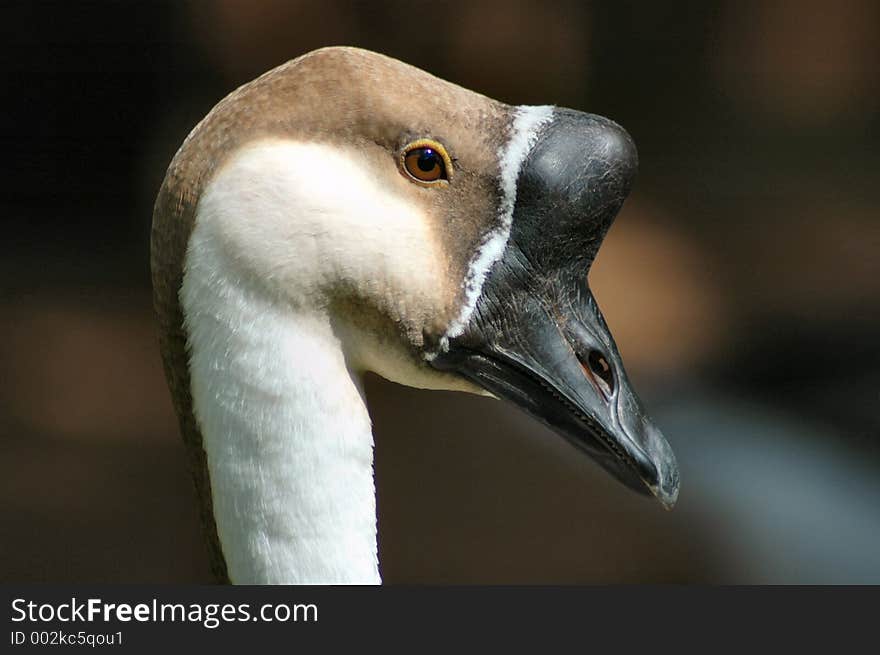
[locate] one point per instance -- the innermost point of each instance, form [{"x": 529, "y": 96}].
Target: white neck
[
  {"x": 285, "y": 429},
  {"x": 275, "y": 376}
]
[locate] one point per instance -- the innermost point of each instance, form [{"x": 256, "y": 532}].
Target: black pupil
[
  {"x": 599, "y": 365},
  {"x": 427, "y": 160}
]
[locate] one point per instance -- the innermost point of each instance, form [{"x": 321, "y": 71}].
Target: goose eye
[{"x": 426, "y": 162}]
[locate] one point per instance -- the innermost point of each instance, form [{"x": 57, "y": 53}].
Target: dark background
[{"x": 741, "y": 281}]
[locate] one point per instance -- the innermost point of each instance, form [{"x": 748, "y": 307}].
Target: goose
[{"x": 345, "y": 213}]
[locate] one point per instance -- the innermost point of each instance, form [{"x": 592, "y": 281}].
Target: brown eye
[{"x": 426, "y": 162}]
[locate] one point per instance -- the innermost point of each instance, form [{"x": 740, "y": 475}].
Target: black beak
[{"x": 536, "y": 336}]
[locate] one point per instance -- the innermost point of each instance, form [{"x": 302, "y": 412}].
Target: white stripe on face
[{"x": 527, "y": 123}]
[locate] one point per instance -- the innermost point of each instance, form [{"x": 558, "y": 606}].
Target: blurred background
[{"x": 741, "y": 280}]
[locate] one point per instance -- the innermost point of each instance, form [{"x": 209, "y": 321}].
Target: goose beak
[
  {"x": 562, "y": 367},
  {"x": 536, "y": 336}
]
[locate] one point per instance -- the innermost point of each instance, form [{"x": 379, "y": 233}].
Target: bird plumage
[{"x": 291, "y": 253}]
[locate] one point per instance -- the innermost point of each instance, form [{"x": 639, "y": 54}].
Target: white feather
[
  {"x": 527, "y": 123},
  {"x": 275, "y": 376}
]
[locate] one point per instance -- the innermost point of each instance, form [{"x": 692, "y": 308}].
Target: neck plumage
[{"x": 285, "y": 429}]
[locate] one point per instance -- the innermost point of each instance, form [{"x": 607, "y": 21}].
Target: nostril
[{"x": 599, "y": 368}]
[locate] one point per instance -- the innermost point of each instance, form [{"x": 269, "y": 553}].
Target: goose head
[{"x": 346, "y": 213}]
